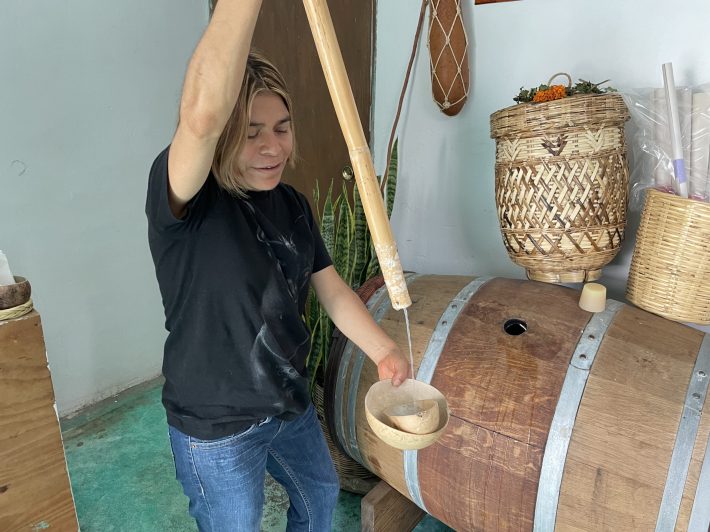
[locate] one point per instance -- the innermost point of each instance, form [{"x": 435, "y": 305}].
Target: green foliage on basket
[
  {"x": 544, "y": 93},
  {"x": 349, "y": 243}
]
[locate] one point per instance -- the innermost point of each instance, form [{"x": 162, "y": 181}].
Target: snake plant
[{"x": 349, "y": 243}]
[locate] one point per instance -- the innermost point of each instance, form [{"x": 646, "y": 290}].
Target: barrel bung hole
[{"x": 515, "y": 326}]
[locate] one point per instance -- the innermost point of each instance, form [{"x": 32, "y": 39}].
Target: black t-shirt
[{"x": 234, "y": 276}]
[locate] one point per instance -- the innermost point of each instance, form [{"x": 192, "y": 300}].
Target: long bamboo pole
[{"x": 341, "y": 93}]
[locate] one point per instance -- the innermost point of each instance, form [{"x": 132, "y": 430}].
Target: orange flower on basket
[{"x": 553, "y": 93}]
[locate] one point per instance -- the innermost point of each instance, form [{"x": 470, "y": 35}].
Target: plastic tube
[{"x": 674, "y": 125}]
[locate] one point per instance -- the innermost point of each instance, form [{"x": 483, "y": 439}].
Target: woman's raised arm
[{"x": 212, "y": 83}]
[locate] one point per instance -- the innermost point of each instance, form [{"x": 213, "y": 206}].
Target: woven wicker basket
[
  {"x": 670, "y": 267},
  {"x": 561, "y": 182},
  {"x": 353, "y": 477}
]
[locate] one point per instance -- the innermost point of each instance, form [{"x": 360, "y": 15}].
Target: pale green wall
[
  {"x": 90, "y": 93},
  {"x": 88, "y": 97},
  {"x": 444, "y": 217}
]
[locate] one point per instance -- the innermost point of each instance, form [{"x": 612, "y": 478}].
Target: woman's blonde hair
[{"x": 260, "y": 75}]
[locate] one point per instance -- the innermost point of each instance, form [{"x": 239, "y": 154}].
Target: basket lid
[{"x": 573, "y": 111}]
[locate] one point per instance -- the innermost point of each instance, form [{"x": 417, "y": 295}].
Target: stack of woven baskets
[{"x": 561, "y": 184}]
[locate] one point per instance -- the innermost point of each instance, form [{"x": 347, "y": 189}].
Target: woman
[{"x": 235, "y": 250}]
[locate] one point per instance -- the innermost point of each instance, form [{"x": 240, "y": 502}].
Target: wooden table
[{"x": 35, "y": 493}]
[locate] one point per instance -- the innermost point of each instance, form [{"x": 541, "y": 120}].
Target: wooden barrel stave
[
  {"x": 428, "y": 300},
  {"x": 625, "y": 431},
  {"x": 503, "y": 390}
]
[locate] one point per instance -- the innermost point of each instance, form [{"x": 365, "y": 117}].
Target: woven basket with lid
[{"x": 561, "y": 184}]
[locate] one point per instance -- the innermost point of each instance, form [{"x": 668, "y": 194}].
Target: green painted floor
[{"x": 123, "y": 477}]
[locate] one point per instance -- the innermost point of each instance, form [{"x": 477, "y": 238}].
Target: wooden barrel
[{"x": 560, "y": 419}]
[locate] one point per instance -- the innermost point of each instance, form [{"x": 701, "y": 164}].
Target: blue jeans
[{"x": 224, "y": 478}]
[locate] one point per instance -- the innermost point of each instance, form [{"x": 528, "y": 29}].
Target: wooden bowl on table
[{"x": 14, "y": 295}]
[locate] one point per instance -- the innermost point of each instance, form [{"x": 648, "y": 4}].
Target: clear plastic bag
[
  {"x": 649, "y": 141},
  {"x": 6, "y": 277}
]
